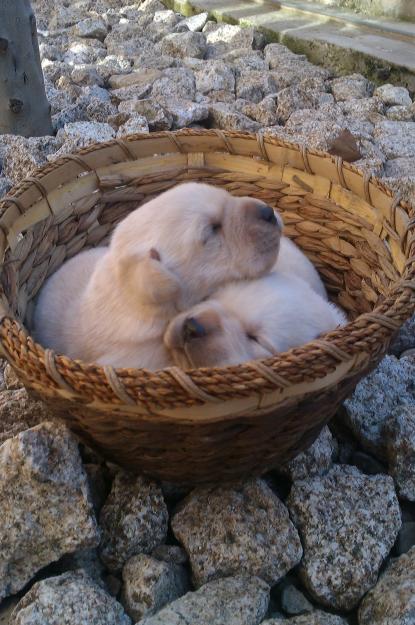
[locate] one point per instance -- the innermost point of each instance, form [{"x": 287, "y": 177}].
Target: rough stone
[
  {"x": 227, "y": 117},
  {"x": 305, "y": 95},
  {"x": 91, "y": 27},
  {"x": 351, "y": 87},
  {"x": 393, "y": 96},
  {"x": 46, "y": 507},
  {"x": 265, "y": 112},
  {"x": 86, "y": 75},
  {"x": 316, "y": 460},
  {"x": 232, "y": 600},
  {"x": 195, "y": 22},
  {"x": 223, "y": 38},
  {"x": 215, "y": 76},
  {"x": 133, "y": 520},
  {"x": 400, "y": 114},
  {"x": 254, "y": 85},
  {"x": 150, "y": 584},
  {"x": 370, "y": 109},
  {"x": 18, "y": 412},
  {"x": 396, "y": 139},
  {"x": 405, "y": 339},
  {"x": 314, "y": 618},
  {"x": 70, "y": 599},
  {"x": 392, "y": 600},
  {"x": 80, "y": 53},
  {"x": 13, "y": 383},
  {"x": 348, "y": 523},
  {"x": 399, "y": 433},
  {"x": 237, "y": 530},
  {"x": 184, "y": 113},
  {"x": 76, "y": 135},
  {"x": 22, "y": 155},
  {"x": 145, "y": 77},
  {"x": 135, "y": 124},
  {"x": 175, "y": 84},
  {"x": 396, "y": 168},
  {"x": 391, "y": 385},
  {"x": 189, "y": 43},
  {"x": 156, "y": 116}
]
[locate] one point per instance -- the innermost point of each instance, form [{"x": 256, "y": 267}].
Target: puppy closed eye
[
  {"x": 212, "y": 232},
  {"x": 251, "y": 337}
]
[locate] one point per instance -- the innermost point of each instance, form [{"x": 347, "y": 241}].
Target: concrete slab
[{"x": 382, "y": 49}]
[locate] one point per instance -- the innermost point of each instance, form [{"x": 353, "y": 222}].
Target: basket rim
[{"x": 343, "y": 345}]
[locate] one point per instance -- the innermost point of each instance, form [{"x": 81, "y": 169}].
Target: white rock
[
  {"x": 91, "y": 27},
  {"x": 314, "y": 618},
  {"x": 390, "y": 386},
  {"x": 351, "y": 87},
  {"x": 195, "y": 22},
  {"x": 189, "y": 43},
  {"x": 228, "y": 601},
  {"x": 393, "y": 96},
  {"x": 46, "y": 509},
  {"x": 148, "y": 585},
  {"x": 400, "y": 443},
  {"x": 69, "y": 599},
  {"x": 400, "y": 113},
  {"x": 228, "y": 531},
  {"x": 396, "y": 139},
  {"x": 133, "y": 520},
  {"x": 392, "y": 600},
  {"x": 214, "y": 76},
  {"x": 348, "y": 523},
  {"x": 135, "y": 124},
  {"x": 316, "y": 460}
]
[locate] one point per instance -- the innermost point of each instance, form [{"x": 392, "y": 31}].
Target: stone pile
[{"x": 329, "y": 538}]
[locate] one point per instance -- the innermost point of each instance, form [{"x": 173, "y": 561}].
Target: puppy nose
[
  {"x": 266, "y": 213},
  {"x": 193, "y": 329}
]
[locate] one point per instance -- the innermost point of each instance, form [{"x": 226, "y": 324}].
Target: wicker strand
[
  {"x": 117, "y": 386},
  {"x": 261, "y": 145},
  {"x": 339, "y": 167},
  {"x": 386, "y": 322},
  {"x": 189, "y": 386},
  {"x": 124, "y": 147},
  {"x": 225, "y": 140},
  {"x": 50, "y": 366},
  {"x": 304, "y": 156},
  {"x": 366, "y": 182},
  {"x": 332, "y": 349},
  {"x": 42, "y": 190},
  {"x": 268, "y": 374},
  {"x": 16, "y": 202},
  {"x": 80, "y": 161}
]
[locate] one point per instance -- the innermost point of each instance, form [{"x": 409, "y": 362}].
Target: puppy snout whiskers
[{"x": 193, "y": 329}]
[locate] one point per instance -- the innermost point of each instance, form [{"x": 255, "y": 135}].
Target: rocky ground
[{"x": 328, "y": 539}]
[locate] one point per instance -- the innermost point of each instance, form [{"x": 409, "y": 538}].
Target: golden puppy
[
  {"x": 111, "y": 305},
  {"x": 250, "y": 320}
]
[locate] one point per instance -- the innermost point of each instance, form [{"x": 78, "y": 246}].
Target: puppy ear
[{"x": 147, "y": 279}]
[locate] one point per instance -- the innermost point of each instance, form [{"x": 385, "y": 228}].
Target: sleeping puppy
[
  {"x": 111, "y": 305},
  {"x": 250, "y": 320},
  {"x": 292, "y": 261}
]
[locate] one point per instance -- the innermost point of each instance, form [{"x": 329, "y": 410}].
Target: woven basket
[{"x": 209, "y": 424}]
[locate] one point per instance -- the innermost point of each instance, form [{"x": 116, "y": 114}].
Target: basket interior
[{"x": 355, "y": 263}]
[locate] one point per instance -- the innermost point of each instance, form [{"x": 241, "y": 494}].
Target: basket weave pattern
[{"x": 207, "y": 424}]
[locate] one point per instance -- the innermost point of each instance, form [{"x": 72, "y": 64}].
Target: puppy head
[
  {"x": 208, "y": 336},
  {"x": 205, "y": 236}
]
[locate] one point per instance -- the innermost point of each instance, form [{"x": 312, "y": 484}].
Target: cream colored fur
[
  {"x": 250, "y": 320},
  {"x": 112, "y": 305},
  {"x": 292, "y": 261}
]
